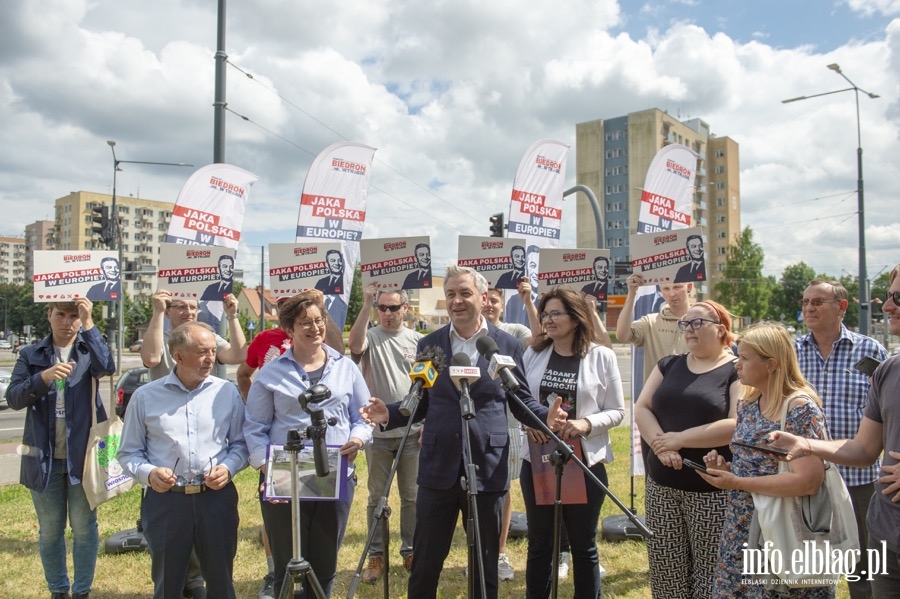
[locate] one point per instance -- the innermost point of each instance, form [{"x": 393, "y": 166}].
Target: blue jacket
[
  {"x": 28, "y": 390},
  {"x": 441, "y": 455}
]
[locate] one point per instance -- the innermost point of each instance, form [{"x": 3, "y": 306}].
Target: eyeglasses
[
  {"x": 694, "y": 324},
  {"x": 816, "y": 302},
  {"x": 383, "y": 308},
  {"x": 197, "y": 479},
  {"x": 893, "y": 296},
  {"x": 310, "y": 324},
  {"x": 552, "y": 315},
  {"x": 183, "y": 307}
]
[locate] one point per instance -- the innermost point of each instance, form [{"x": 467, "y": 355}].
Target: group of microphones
[
  {"x": 309, "y": 401},
  {"x": 431, "y": 362}
]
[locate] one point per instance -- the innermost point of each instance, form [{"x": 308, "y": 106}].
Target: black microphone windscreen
[
  {"x": 435, "y": 355},
  {"x": 460, "y": 359},
  {"x": 487, "y": 347}
]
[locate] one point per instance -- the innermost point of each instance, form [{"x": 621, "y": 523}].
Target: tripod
[
  {"x": 299, "y": 574},
  {"x": 381, "y": 518}
]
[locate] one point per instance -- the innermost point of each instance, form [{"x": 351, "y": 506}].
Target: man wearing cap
[
  {"x": 386, "y": 353},
  {"x": 183, "y": 438}
]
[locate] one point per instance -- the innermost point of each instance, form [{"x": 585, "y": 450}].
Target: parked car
[
  {"x": 128, "y": 381},
  {"x": 5, "y": 375},
  {"x": 5, "y": 344},
  {"x": 136, "y": 346}
]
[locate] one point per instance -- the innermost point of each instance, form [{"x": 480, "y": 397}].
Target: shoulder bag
[{"x": 103, "y": 477}]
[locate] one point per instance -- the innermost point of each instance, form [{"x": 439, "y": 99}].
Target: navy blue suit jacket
[{"x": 440, "y": 459}]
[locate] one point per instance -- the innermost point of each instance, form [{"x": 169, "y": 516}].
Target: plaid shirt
[{"x": 843, "y": 389}]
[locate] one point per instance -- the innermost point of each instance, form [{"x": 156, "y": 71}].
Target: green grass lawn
[{"x": 128, "y": 575}]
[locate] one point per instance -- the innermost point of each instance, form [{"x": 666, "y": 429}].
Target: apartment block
[
  {"x": 12, "y": 260},
  {"x": 612, "y": 157}
]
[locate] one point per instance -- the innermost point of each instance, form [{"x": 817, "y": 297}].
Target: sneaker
[
  {"x": 504, "y": 568},
  {"x": 563, "y": 565},
  {"x": 373, "y": 572},
  {"x": 60, "y": 595},
  {"x": 81, "y": 595},
  {"x": 602, "y": 571},
  {"x": 407, "y": 562},
  {"x": 268, "y": 588}
]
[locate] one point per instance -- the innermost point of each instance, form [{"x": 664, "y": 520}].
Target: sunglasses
[
  {"x": 894, "y": 296},
  {"x": 383, "y": 308}
]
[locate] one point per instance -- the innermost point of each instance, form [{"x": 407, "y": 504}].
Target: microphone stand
[
  {"x": 565, "y": 454},
  {"x": 469, "y": 483},
  {"x": 382, "y": 514},
  {"x": 559, "y": 460}
]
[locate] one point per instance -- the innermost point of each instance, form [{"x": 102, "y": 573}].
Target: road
[{"x": 13, "y": 421}]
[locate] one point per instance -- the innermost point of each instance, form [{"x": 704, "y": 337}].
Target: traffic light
[
  {"x": 497, "y": 225},
  {"x": 102, "y": 226},
  {"x": 129, "y": 270}
]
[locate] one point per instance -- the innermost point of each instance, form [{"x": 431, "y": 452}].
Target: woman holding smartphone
[
  {"x": 565, "y": 360},
  {"x": 687, "y": 407}
]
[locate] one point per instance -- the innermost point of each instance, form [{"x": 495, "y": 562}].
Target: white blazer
[{"x": 598, "y": 398}]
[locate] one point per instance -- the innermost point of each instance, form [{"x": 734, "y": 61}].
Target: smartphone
[
  {"x": 694, "y": 465},
  {"x": 761, "y": 447},
  {"x": 867, "y": 365}
]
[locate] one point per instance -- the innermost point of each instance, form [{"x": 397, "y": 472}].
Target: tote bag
[
  {"x": 799, "y": 527},
  {"x": 103, "y": 476}
]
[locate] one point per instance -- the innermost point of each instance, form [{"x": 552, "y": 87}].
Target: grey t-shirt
[
  {"x": 884, "y": 407},
  {"x": 167, "y": 362},
  {"x": 385, "y": 362}
]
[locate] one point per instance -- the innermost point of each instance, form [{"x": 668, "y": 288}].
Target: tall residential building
[
  {"x": 142, "y": 227},
  {"x": 612, "y": 157},
  {"x": 39, "y": 235},
  {"x": 12, "y": 260}
]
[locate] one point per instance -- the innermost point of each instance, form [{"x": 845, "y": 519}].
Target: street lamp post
[
  {"x": 117, "y": 243},
  {"x": 864, "y": 311}
]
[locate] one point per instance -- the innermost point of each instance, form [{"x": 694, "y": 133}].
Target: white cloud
[{"x": 450, "y": 93}]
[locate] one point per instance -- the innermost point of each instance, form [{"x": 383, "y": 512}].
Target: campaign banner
[
  {"x": 63, "y": 276},
  {"x": 535, "y": 212},
  {"x": 196, "y": 273},
  {"x": 669, "y": 256},
  {"x": 296, "y": 267},
  {"x": 666, "y": 204},
  {"x": 394, "y": 263},
  {"x": 333, "y": 208},
  {"x": 585, "y": 269},
  {"x": 210, "y": 207},
  {"x": 501, "y": 260},
  {"x": 668, "y": 194}
]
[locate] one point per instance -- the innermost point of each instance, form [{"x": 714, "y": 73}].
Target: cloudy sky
[{"x": 452, "y": 93}]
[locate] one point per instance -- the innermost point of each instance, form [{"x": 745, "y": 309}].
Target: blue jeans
[{"x": 51, "y": 507}]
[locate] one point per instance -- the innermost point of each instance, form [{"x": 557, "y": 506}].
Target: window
[
  {"x": 721, "y": 219},
  {"x": 720, "y": 169},
  {"x": 720, "y": 185},
  {"x": 720, "y": 267},
  {"x": 615, "y": 206},
  {"x": 721, "y": 251},
  {"x": 720, "y": 153},
  {"x": 722, "y": 235},
  {"x": 613, "y": 153}
]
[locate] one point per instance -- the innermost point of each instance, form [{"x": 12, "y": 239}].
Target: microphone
[
  {"x": 500, "y": 365},
  {"x": 423, "y": 374},
  {"x": 316, "y": 432},
  {"x": 461, "y": 371}
]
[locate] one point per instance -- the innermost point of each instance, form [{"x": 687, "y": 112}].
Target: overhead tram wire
[
  {"x": 845, "y": 195},
  {"x": 809, "y": 220},
  {"x": 345, "y": 138},
  {"x": 299, "y": 147}
]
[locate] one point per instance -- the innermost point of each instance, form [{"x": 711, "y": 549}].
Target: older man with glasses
[
  {"x": 156, "y": 356},
  {"x": 386, "y": 353},
  {"x": 827, "y": 355},
  {"x": 183, "y": 438}
]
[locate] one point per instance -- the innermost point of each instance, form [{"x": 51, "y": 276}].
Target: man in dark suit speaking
[
  {"x": 111, "y": 287},
  {"x": 695, "y": 270},
  {"x": 441, "y": 466},
  {"x": 333, "y": 284},
  {"x": 217, "y": 291}
]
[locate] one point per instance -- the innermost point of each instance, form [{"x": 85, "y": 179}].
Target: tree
[
  {"x": 788, "y": 292},
  {"x": 744, "y": 290},
  {"x": 354, "y": 305}
]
